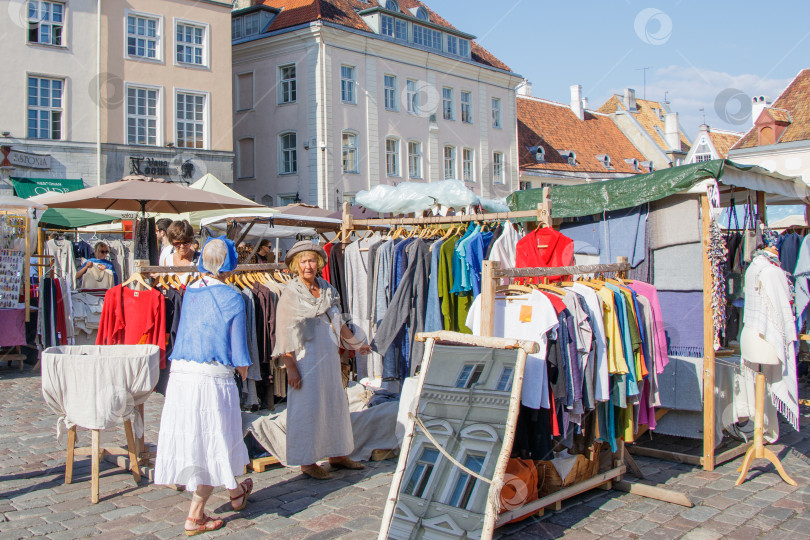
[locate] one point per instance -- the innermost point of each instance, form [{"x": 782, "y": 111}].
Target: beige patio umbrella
[{"x": 143, "y": 194}]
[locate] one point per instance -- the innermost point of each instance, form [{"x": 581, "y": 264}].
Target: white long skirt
[{"x": 200, "y": 441}]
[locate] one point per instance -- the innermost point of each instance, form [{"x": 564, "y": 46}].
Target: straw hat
[{"x": 304, "y": 245}]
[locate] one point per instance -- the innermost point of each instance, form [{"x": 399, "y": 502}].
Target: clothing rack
[
  {"x": 193, "y": 269},
  {"x": 491, "y": 276},
  {"x": 542, "y": 216}
]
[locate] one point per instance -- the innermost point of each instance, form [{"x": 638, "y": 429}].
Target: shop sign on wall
[{"x": 15, "y": 158}]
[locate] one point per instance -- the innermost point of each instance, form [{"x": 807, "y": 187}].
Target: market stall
[{"x": 709, "y": 186}]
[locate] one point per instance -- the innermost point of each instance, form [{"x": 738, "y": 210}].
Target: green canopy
[
  {"x": 598, "y": 197},
  {"x": 68, "y": 218}
]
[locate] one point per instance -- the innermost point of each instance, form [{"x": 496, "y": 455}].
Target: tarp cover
[
  {"x": 598, "y": 197},
  {"x": 69, "y": 218}
]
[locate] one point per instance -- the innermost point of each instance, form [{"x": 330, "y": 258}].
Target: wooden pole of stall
[
  {"x": 27, "y": 266},
  {"x": 708, "y": 342},
  {"x": 488, "y": 286},
  {"x": 761, "y": 214}
]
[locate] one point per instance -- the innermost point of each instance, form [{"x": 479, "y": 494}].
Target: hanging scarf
[
  {"x": 298, "y": 311},
  {"x": 717, "y": 253}
]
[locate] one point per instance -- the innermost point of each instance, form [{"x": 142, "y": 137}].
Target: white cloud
[{"x": 690, "y": 89}]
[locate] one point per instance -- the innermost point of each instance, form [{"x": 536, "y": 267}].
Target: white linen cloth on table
[
  {"x": 372, "y": 428},
  {"x": 200, "y": 441},
  {"x": 98, "y": 386}
]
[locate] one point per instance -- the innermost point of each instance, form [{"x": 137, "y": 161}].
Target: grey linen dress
[{"x": 318, "y": 423}]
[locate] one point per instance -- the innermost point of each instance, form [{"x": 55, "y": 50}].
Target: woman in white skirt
[{"x": 200, "y": 444}]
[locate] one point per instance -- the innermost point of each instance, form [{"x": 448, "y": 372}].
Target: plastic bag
[{"x": 417, "y": 196}]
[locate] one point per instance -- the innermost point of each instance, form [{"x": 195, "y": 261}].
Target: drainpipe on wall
[
  {"x": 98, "y": 93},
  {"x": 323, "y": 191}
]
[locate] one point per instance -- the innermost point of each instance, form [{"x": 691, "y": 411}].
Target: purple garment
[
  {"x": 660, "y": 338},
  {"x": 12, "y": 327}
]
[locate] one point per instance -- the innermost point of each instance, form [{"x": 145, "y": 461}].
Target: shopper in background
[
  {"x": 181, "y": 238},
  {"x": 162, "y": 226}
]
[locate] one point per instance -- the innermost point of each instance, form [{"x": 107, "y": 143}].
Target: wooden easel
[
  {"x": 97, "y": 453},
  {"x": 758, "y": 450}
]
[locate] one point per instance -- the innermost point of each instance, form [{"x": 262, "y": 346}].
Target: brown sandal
[
  {"x": 247, "y": 488},
  {"x": 347, "y": 463},
  {"x": 202, "y": 525},
  {"x": 317, "y": 472}
]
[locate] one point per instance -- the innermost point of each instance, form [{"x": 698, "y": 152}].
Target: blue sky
[{"x": 710, "y": 54}]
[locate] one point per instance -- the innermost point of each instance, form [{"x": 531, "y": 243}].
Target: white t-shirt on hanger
[{"x": 530, "y": 316}]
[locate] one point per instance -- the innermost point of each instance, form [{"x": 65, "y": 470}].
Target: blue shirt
[{"x": 212, "y": 327}]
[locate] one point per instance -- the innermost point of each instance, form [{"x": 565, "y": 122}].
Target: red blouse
[
  {"x": 544, "y": 248},
  {"x": 133, "y": 318}
]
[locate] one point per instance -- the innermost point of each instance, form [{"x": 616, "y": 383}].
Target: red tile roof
[
  {"x": 723, "y": 140},
  {"x": 794, "y": 100},
  {"x": 555, "y": 127},
  {"x": 344, "y": 13},
  {"x": 647, "y": 117}
]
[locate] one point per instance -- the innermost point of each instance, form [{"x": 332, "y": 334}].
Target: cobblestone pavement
[{"x": 34, "y": 501}]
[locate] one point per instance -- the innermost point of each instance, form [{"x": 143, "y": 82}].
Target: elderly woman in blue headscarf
[{"x": 200, "y": 444}]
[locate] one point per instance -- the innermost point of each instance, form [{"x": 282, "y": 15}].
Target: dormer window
[
  {"x": 604, "y": 159},
  {"x": 633, "y": 162},
  {"x": 646, "y": 166},
  {"x": 420, "y": 13},
  {"x": 569, "y": 156},
  {"x": 538, "y": 152},
  {"x": 391, "y": 5}
]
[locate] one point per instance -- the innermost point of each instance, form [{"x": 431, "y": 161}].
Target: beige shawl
[{"x": 297, "y": 312}]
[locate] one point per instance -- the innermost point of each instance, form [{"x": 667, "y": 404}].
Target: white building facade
[{"x": 324, "y": 110}]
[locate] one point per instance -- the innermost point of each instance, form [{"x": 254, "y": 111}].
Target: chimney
[
  {"x": 584, "y": 104},
  {"x": 576, "y": 101},
  {"x": 524, "y": 88},
  {"x": 758, "y": 104},
  {"x": 629, "y": 99},
  {"x": 671, "y": 133}
]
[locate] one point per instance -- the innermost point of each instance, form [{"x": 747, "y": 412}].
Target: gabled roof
[
  {"x": 795, "y": 101},
  {"x": 779, "y": 115},
  {"x": 555, "y": 127},
  {"x": 723, "y": 140},
  {"x": 647, "y": 117},
  {"x": 344, "y": 13}
]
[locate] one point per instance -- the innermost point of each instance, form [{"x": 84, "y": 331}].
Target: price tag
[{"x": 525, "y": 313}]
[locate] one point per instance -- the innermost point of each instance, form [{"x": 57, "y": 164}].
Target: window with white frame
[
  {"x": 143, "y": 37},
  {"x": 350, "y": 162},
  {"x": 496, "y": 112},
  {"x": 236, "y": 28},
  {"x": 45, "y": 108},
  {"x": 142, "y": 115},
  {"x": 497, "y": 167},
  {"x": 469, "y": 375},
  {"x": 449, "y": 162},
  {"x": 401, "y": 29},
  {"x": 347, "y": 83},
  {"x": 392, "y": 157},
  {"x": 467, "y": 165},
  {"x": 45, "y": 22},
  {"x": 422, "y": 471},
  {"x": 412, "y": 97},
  {"x": 252, "y": 24},
  {"x": 702, "y": 157},
  {"x": 428, "y": 37},
  {"x": 245, "y": 147},
  {"x": 190, "y": 115},
  {"x": 390, "y": 91},
  {"x": 387, "y": 25},
  {"x": 464, "y": 48},
  {"x": 287, "y": 88},
  {"x": 465, "y": 483},
  {"x": 466, "y": 107},
  {"x": 414, "y": 159},
  {"x": 190, "y": 43},
  {"x": 244, "y": 91},
  {"x": 448, "y": 107},
  {"x": 452, "y": 44},
  {"x": 505, "y": 379},
  {"x": 288, "y": 155}
]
